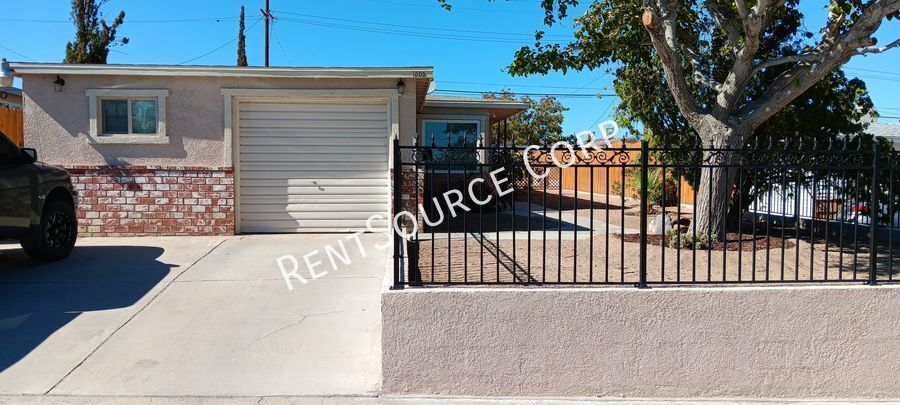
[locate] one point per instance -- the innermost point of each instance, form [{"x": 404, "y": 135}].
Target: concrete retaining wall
[{"x": 759, "y": 342}]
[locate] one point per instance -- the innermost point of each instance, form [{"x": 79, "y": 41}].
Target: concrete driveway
[{"x": 191, "y": 316}]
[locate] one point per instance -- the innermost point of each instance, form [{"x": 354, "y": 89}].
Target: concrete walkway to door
[{"x": 191, "y": 316}]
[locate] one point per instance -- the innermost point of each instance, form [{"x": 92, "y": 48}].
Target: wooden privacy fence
[
  {"x": 615, "y": 178},
  {"x": 11, "y": 125}
]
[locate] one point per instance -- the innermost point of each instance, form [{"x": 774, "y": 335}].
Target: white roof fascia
[{"x": 416, "y": 72}]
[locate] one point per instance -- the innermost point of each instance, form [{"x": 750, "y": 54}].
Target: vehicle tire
[{"x": 54, "y": 238}]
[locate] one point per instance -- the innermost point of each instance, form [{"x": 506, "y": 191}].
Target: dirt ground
[
  {"x": 573, "y": 262},
  {"x": 607, "y": 258}
]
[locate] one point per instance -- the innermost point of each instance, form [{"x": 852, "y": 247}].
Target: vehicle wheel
[{"x": 55, "y": 237}]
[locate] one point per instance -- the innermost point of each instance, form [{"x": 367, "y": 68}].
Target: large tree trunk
[{"x": 714, "y": 189}]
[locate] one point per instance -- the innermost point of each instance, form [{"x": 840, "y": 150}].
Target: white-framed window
[
  {"x": 128, "y": 116},
  {"x": 460, "y": 136}
]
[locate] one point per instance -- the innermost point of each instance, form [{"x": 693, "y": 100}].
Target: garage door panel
[
  {"x": 323, "y": 157},
  {"x": 311, "y": 190},
  {"x": 251, "y": 202},
  {"x": 270, "y": 174},
  {"x": 269, "y": 181},
  {"x": 295, "y": 166},
  {"x": 318, "y": 216},
  {"x": 314, "y": 115},
  {"x": 276, "y": 207},
  {"x": 329, "y": 132},
  {"x": 310, "y": 151},
  {"x": 312, "y": 166},
  {"x": 306, "y": 140},
  {"x": 287, "y": 226},
  {"x": 313, "y": 124},
  {"x": 303, "y": 107}
]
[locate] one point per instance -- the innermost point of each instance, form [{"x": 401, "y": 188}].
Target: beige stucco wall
[
  {"x": 57, "y": 124},
  {"x": 760, "y": 342}
]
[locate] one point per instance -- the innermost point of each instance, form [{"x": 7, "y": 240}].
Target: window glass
[
  {"x": 115, "y": 116},
  {"x": 456, "y": 135},
  {"x": 143, "y": 116}
]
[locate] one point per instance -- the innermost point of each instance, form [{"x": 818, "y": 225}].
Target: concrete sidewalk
[{"x": 189, "y": 316}]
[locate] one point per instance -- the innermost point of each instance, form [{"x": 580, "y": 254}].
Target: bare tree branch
[
  {"x": 727, "y": 25},
  {"x": 697, "y": 74},
  {"x": 662, "y": 37},
  {"x": 755, "y": 22},
  {"x": 806, "y": 57},
  {"x": 834, "y": 50},
  {"x": 741, "y": 10},
  {"x": 876, "y": 49}
]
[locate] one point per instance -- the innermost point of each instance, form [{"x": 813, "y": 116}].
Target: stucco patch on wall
[{"x": 825, "y": 342}]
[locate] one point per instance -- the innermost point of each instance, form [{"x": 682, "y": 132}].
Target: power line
[
  {"x": 524, "y": 85},
  {"x": 403, "y": 33},
  {"x": 867, "y": 77},
  {"x": 873, "y": 71},
  {"x": 161, "y": 21},
  {"x": 278, "y": 41},
  {"x": 13, "y": 51},
  {"x": 436, "y": 6},
  {"x": 530, "y": 35},
  {"x": 223, "y": 45},
  {"x": 479, "y": 92}
]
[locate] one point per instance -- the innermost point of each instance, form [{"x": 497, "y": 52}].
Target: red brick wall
[
  {"x": 410, "y": 194},
  {"x": 144, "y": 201}
]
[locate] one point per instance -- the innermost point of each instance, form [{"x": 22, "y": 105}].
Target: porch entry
[{"x": 312, "y": 165}]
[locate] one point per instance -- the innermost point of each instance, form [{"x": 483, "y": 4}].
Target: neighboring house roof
[
  {"x": 500, "y": 109},
  {"x": 889, "y": 131},
  {"x": 11, "y": 90},
  {"x": 10, "y": 97},
  {"x": 450, "y": 101}
]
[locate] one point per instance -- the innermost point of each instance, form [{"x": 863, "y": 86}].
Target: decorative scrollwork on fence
[
  {"x": 563, "y": 156},
  {"x": 515, "y": 157}
]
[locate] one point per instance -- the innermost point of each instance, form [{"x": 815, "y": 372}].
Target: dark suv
[{"x": 37, "y": 204}]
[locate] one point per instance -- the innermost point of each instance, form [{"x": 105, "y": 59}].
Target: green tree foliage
[
  {"x": 242, "y": 42},
  {"x": 93, "y": 35},
  {"x": 724, "y": 73},
  {"x": 540, "y": 124}
]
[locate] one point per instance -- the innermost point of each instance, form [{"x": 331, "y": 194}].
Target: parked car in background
[{"x": 37, "y": 204}]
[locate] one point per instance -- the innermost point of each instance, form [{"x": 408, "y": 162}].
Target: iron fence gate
[{"x": 624, "y": 215}]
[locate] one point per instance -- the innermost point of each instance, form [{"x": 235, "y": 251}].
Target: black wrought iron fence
[{"x": 631, "y": 215}]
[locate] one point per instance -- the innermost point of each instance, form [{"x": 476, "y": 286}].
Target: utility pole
[{"x": 268, "y": 16}]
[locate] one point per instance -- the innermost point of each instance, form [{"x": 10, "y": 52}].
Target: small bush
[
  {"x": 678, "y": 240},
  {"x": 616, "y": 188},
  {"x": 655, "y": 187}
]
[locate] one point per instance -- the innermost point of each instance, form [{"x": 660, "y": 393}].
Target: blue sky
[{"x": 469, "y": 47}]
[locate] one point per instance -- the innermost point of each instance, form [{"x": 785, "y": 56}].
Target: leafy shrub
[
  {"x": 616, "y": 188},
  {"x": 678, "y": 240},
  {"x": 655, "y": 187}
]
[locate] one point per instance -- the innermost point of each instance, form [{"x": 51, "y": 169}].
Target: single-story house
[
  {"x": 887, "y": 130},
  {"x": 10, "y": 97},
  {"x": 212, "y": 150}
]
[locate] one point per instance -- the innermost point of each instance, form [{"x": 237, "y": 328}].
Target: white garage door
[{"x": 312, "y": 166}]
